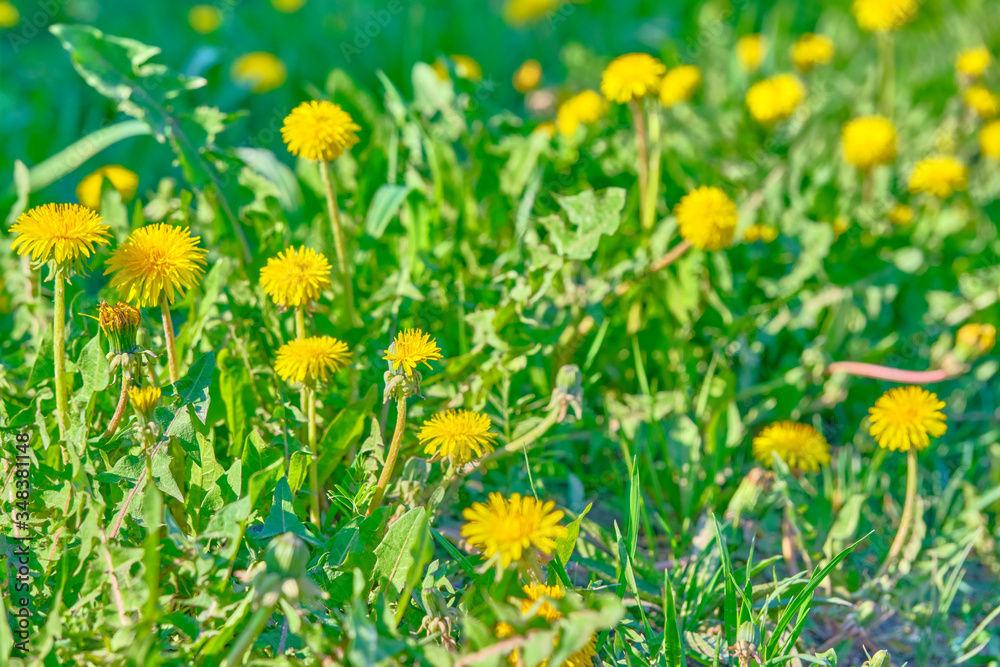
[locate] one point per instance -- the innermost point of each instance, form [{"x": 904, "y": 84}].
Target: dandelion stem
[
  {"x": 248, "y": 636},
  {"x": 887, "y": 72},
  {"x": 390, "y": 458},
  {"x": 338, "y": 239},
  {"x": 877, "y": 372},
  {"x": 867, "y": 187},
  {"x": 672, "y": 256},
  {"x": 653, "y": 179},
  {"x": 300, "y": 323},
  {"x": 643, "y": 165},
  {"x": 906, "y": 520},
  {"x": 120, "y": 410},
  {"x": 168, "y": 334},
  {"x": 59, "y": 354},
  {"x": 309, "y": 399}
]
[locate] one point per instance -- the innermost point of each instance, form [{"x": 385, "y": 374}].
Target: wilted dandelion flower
[
  {"x": 66, "y": 233},
  {"x": 205, "y": 19},
  {"x": 311, "y": 359},
  {"x": 775, "y": 99},
  {"x": 901, "y": 214},
  {"x": 883, "y": 15},
  {"x": 259, "y": 71},
  {"x": 584, "y": 108},
  {"x": 319, "y": 130},
  {"x": 144, "y": 399},
  {"x": 463, "y": 435},
  {"x": 989, "y": 140},
  {"x": 976, "y": 339},
  {"x": 155, "y": 261},
  {"x": 507, "y": 528},
  {"x": 120, "y": 323},
  {"x": 523, "y": 12},
  {"x": 288, "y": 6},
  {"x": 800, "y": 446},
  {"x": 707, "y": 218},
  {"x": 125, "y": 181},
  {"x": 973, "y": 62},
  {"x": 811, "y": 50},
  {"x": 940, "y": 176},
  {"x": 751, "y": 51},
  {"x": 631, "y": 77},
  {"x": 679, "y": 84},
  {"x": 982, "y": 101},
  {"x": 869, "y": 141},
  {"x": 9, "y": 16},
  {"x": 528, "y": 76},
  {"x": 411, "y": 348},
  {"x": 465, "y": 68},
  {"x": 295, "y": 277},
  {"x": 759, "y": 232},
  {"x": 904, "y": 417}
]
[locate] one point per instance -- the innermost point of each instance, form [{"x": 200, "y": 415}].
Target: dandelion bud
[
  {"x": 144, "y": 400},
  {"x": 748, "y": 632},
  {"x": 974, "y": 340},
  {"x": 880, "y": 659},
  {"x": 120, "y": 323},
  {"x": 288, "y": 555}
]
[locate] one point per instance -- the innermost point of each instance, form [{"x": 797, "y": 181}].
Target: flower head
[
  {"x": 631, "y": 77},
  {"x": 144, "y": 399},
  {"x": 901, "y": 214},
  {"x": 760, "y": 233},
  {"x": 411, "y": 348},
  {"x": 125, "y": 181},
  {"x": 205, "y": 19},
  {"x": 940, "y": 176},
  {"x": 311, "y": 359},
  {"x": 989, "y": 140},
  {"x": 288, "y": 6},
  {"x": 295, "y": 277},
  {"x": 319, "y": 130},
  {"x": 975, "y": 340},
  {"x": 584, "y": 108},
  {"x": 811, "y": 50},
  {"x": 506, "y": 528},
  {"x": 155, "y": 261},
  {"x": 883, "y": 15},
  {"x": 522, "y": 12},
  {"x": 750, "y": 51},
  {"x": 679, "y": 84},
  {"x": 9, "y": 16},
  {"x": 536, "y": 592},
  {"x": 775, "y": 99},
  {"x": 462, "y": 435},
  {"x": 465, "y": 68},
  {"x": 259, "y": 71},
  {"x": 982, "y": 101},
  {"x": 799, "y": 445},
  {"x": 707, "y": 218},
  {"x": 66, "y": 233},
  {"x": 869, "y": 141},
  {"x": 120, "y": 323},
  {"x": 904, "y": 417},
  {"x": 972, "y": 63},
  {"x": 528, "y": 76}
]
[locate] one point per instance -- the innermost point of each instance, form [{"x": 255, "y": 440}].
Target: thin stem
[
  {"x": 867, "y": 187},
  {"x": 338, "y": 239},
  {"x": 906, "y": 520},
  {"x": 877, "y": 372},
  {"x": 131, "y": 494},
  {"x": 59, "y": 354},
  {"x": 788, "y": 542},
  {"x": 643, "y": 165},
  {"x": 887, "y": 72},
  {"x": 309, "y": 398},
  {"x": 168, "y": 334},
  {"x": 672, "y": 256},
  {"x": 116, "y": 592},
  {"x": 300, "y": 322},
  {"x": 390, "y": 458},
  {"x": 120, "y": 410},
  {"x": 653, "y": 181},
  {"x": 248, "y": 636}
]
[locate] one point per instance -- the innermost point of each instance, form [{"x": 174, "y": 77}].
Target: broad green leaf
[
  {"x": 394, "y": 555},
  {"x": 344, "y": 430},
  {"x": 566, "y": 545},
  {"x": 384, "y": 207},
  {"x": 282, "y": 518},
  {"x": 590, "y": 217},
  {"x": 193, "y": 387}
]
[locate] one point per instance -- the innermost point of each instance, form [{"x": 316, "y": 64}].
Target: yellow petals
[
  {"x": 319, "y": 130},
  {"x": 906, "y": 417}
]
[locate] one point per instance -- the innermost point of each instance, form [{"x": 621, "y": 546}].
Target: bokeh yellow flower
[
  {"x": 989, "y": 140},
  {"x": 679, "y": 84},
  {"x": 751, "y": 51},
  {"x": 9, "y": 16},
  {"x": 759, "y": 232},
  {"x": 465, "y": 68},
  {"x": 939, "y": 175},
  {"x": 775, "y": 99},
  {"x": 508, "y": 528},
  {"x": 66, "y": 233},
  {"x": 205, "y": 19},
  {"x": 259, "y": 71},
  {"x": 411, "y": 348},
  {"x": 901, "y": 214},
  {"x": 540, "y": 593},
  {"x": 156, "y": 261},
  {"x": 319, "y": 130},
  {"x": 811, "y": 50},
  {"x": 973, "y": 62},
  {"x": 311, "y": 359},
  {"x": 982, "y": 101},
  {"x": 528, "y": 76},
  {"x": 522, "y": 12},
  {"x": 869, "y": 141},
  {"x": 288, "y": 6},
  {"x": 975, "y": 339},
  {"x": 840, "y": 225},
  {"x": 584, "y": 108},
  {"x": 800, "y": 446},
  {"x": 125, "y": 181},
  {"x": 883, "y": 15},
  {"x": 547, "y": 127},
  {"x": 707, "y": 218},
  {"x": 462, "y": 435},
  {"x": 632, "y": 77},
  {"x": 905, "y": 417},
  {"x": 295, "y": 277},
  {"x": 144, "y": 399},
  {"x": 120, "y": 324}
]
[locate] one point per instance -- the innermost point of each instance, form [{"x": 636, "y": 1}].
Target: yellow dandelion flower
[
  {"x": 975, "y": 340},
  {"x": 869, "y": 141},
  {"x": 811, "y": 50},
  {"x": 506, "y": 528},
  {"x": 800, "y": 446},
  {"x": 982, "y": 101},
  {"x": 144, "y": 399},
  {"x": 205, "y": 19},
  {"x": 840, "y": 225},
  {"x": 584, "y": 108},
  {"x": 411, "y": 348},
  {"x": 259, "y": 71},
  {"x": 465, "y": 68},
  {"x": 631, "y": 77},
  {"x": 522, "y": 12},
  {"x": 540, "y": 592},
  {"x": 751, "y": 51},
  {"x": 679, "y": 84},
  {"x": 125, "y": 181},
  {"x": 319, "y": 130},
  {"x": 905, "y": 417},
  {"x": 989, "y": 140},
  {"x": 973, "y": 62},
  {"x": 9, "y": 16},
  {"x": 901, "y": 214},
  {"x": 940, "y": 176},
  {"x": 883, "y": 15},
  {"x": 528, "y": 76},
  {"x": 461, "y": 434},
  {"x": 546, "y": 127},
  {"x": 120, "y": 323},
  {"x": 295, "y": 277},
  {"x": 311, "y": 359},
  {"x": 759, "y": 232},
  {"x": 288, "y": 6},
  {"x": 707, "y": 218},
  {"x": 66, "y": 233},
  {"x": 156, "y": 261},
  {"x": 775, "y": 99}
]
